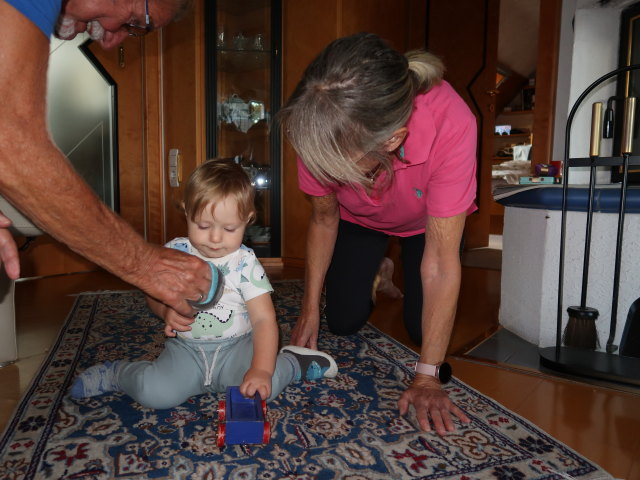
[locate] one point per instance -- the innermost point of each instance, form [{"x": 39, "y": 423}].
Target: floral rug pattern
[{"x": 342, "y": 428}]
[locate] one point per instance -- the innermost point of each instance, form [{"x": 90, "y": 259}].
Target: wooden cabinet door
[
  {"x": 181, "y": 94},
  {"x": 464, "y": 33},
  {"x": 124, "y": 64}
]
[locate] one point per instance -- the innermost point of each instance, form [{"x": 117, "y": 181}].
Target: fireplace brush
[{"x": 580, "y": 330}]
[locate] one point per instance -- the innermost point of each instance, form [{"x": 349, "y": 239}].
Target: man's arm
[
  {"x": 440, "y": 273},
  {"x": 38, "y": 180}
]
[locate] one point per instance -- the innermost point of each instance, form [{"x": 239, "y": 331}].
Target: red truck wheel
[
  {"x": 266, "y": 434},
  {"x": 264, "y": 408},
  {"x": 222, "y": 428},
  {"x": 222, "y": 410}
]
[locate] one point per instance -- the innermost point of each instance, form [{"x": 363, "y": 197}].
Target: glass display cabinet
[{"x": 243, "y": 95}]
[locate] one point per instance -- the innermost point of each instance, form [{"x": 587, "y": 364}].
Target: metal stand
[{"x": 578, "y": 361}]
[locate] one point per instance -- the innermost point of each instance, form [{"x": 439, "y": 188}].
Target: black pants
[{"x": 356, "y": 259}]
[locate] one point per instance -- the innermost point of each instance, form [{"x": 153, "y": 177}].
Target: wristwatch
[{"x": 442, "y": 371}]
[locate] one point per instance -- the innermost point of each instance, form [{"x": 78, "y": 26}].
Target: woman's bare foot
[{"x": 384, "y": 281}]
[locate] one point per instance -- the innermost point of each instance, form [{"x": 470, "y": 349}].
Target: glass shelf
[
  {"x": 242, "y": 50},
  {"x": 242, "y": 61}
]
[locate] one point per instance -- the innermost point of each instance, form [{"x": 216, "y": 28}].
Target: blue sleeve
[{"x": 42, "y": 13}]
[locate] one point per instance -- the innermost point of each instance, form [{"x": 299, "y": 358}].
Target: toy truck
[{"x": 241, "y": 420}]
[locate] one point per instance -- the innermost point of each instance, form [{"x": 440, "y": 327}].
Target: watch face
[{"x": 444, "y": 372}]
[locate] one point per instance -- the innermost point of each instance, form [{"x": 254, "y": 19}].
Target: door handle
[{"x": 175, "y": 167}]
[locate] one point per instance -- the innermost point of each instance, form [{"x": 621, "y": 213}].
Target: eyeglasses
[
  {"x": 135, "y": 30},
  {"x": 370, "y": 165}
]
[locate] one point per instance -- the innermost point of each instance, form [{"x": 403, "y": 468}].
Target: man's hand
[
  {"x": 8, "y": 250},
  {"x": 173, "y": 277},
  {"x": 305, "y": 332},
  {"x": 430, "y": 400}
]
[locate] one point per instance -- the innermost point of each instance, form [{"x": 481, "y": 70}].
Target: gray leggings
[{"x": 191, "y": 367}]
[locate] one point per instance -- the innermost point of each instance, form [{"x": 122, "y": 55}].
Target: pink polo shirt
[{"x": 439, "y": 179}]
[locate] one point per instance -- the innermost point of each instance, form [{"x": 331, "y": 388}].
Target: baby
[{"x": 234, "y": 342}]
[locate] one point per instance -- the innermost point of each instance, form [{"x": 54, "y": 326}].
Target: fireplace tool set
[{"x": 576, "y": 351}]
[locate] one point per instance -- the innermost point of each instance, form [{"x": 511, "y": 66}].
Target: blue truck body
[{"x": 241, "y": 420}]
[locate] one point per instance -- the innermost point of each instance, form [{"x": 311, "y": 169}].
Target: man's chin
[{"x": 110, "y": 40}]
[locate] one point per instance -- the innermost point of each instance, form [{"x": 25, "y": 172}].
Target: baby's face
[{"x": 219, "y": 231}]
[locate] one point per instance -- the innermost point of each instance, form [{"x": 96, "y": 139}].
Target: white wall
[
  {"x": 530, "y": 259},
  {"x": 589, "y": 44}
]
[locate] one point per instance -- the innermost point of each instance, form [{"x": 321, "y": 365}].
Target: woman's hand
[
  {"x": 305, "y": 332},
  {"x": 8, "y": 250},
  {"x": 431, "y": 401},
  {"x": 440, "y": 272},
  {"x": 256, "y": 380}
]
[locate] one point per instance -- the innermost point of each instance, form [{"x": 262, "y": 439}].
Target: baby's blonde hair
[{"x": 215, "y": 180}]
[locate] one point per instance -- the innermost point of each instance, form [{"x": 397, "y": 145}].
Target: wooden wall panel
[
  {"x": 546, "y": 81},
  {"x": 308, "y": 25},
  {"x": 388, "y": 18},
  {"x": 127, "y": 76},
  {"x": 183, "y": 107},
  {"x": 47, "y": 256},
  {"x": 153, "y": 134},
  {"x": 471, "y": 62},
  {"x": 417, "y": 21}
]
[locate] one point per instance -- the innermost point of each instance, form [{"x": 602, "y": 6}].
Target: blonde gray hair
[
  {"x": 351, "y": 99},
  {"x": 215, "y": 180}
]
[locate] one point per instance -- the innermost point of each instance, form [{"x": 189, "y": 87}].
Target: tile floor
[{"x": 506, "y": 347}]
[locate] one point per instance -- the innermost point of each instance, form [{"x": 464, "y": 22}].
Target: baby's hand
[
  {"x": 176, "y": 322},
  {"x": 256, "y": 380}
]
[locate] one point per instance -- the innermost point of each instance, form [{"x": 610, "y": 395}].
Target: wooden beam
[{"x": 546, "y": 80}]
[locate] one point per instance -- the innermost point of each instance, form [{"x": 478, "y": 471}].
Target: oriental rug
[{"x": 342, "y": 428}]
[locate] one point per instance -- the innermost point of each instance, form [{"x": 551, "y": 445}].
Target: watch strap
[{"x": 427, "y": 369}]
